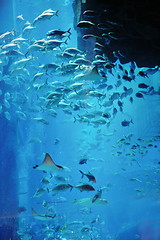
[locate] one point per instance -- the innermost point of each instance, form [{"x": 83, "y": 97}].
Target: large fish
[
  {"x": 42, "y": 216},
  {"x": 48, "y": 165},
  {"x": 89, "y": 202}
]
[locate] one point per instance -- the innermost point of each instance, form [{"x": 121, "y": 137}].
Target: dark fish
[
  {"x": 106, "y": 115},
  {"x": 127, "y": 78},
  {"x": 123, "y": 95},
  {"x": 87, "y": 36},
  {"x": 114, "y": 112},
  {"x": 139, "y": 95},
  {"x": 121, "y": 109},
  {"x": 21, "y": 209},
  {"x": 116, "y": 36},
  {"x": 129, "y": 91},
  {"x": 89, "y": 176},
  {"x": 120, "y": 67},
  {"x": 97, "y": 195},
  {"x": 85, "y": 187},
  {"x": 83, "y": 161},
  {"x": 142, "y": 85},
  {"x": 126, "y": 123},
  {"x": 120, "y": 104},
  {"x": 131, "y": 99},
  {"x": 85, "y": 24},
  {"x": 109, "y": 87},
  {"x": 104, "y": 26},
  {"x": 118, "y": 84},
  {"x": 109, "y": 65},
  {"x": 142, "y": 74},
  {"x": 56, "y": 141},
  {"x": 58, "y": 32},
  {"x": 89, "y": 13}
]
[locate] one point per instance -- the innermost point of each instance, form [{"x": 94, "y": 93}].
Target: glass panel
[{"x": 79, "y": 126}]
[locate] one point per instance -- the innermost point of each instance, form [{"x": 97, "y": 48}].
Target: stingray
[
  {"x": 48, "y": 165},
  {"x": 42, "y": 216}
]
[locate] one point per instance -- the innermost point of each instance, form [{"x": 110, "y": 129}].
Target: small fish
[
  {"x": 85, "y": 24},
  {"x": 45, "y": 181},
  {"x": 142, "y": 73},
  {"x": 139, "y": 95},
  {"x": 135, "y": 179},
  {"x": 39, "y": 192},
  {"x": 83, "y": 161},
  {"x": 48, "y": 165},
  {"x": 126, "y": 123},
  {"x": 89, "y": 13},
  {"x": 89, "y": 176},
  {"x": 142, "y": 85},
  {"x": 127, "y": 78},
  {"x": 97, "y": 195},
  {"x": 131, "y": 99},
  {"x": 87, "y": 36},
  {"x": 21, "y": 209},
  {"x": 42, "y": 216},
  {"x": 56, "y": 141},
  {"x": 61, "y": 187}
]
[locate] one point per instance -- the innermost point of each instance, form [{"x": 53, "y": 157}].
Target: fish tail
[
  {"x": 69, "y": 31},
  {"x": 81, "y": 173},
  {"x": 132, "y": 121},
  {"x": 70, "y": 187},
  {"x": 75, "y": 119},
  {"x": 57, "y": 13},
  {"x": 66, "y": 42}
]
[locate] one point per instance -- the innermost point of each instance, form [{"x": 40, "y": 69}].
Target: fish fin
[
  {"x": 49, "y": 161},
  {"x": 70, "y": 187},
  {"x": 69, "y": 31},
  {"x": 81, "y": 173},
  {"x": 66, "y": 42}
]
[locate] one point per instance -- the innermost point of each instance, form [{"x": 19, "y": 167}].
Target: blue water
[{"x": 123, "y": 159}]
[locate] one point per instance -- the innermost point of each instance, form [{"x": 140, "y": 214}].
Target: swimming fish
[
  {"x": 57, "y": 32},
  {"x": 85, "y": 187},
  {"x": 85, "y": 24},
  {"x": 48, "y": 165},
  {"x": 83, "y": 161},
  {"x": 97, "y": 195},
  {"x": 39, "y": 192},
  {"x": 88, "y": 201},
  {"x": 42, "y": 216},
  {"x": 89, "y": 176},
  {"x": 143, "y": 85},
  {"x": 126, "y": 123},
  {"x": 61, "y": 187}
]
